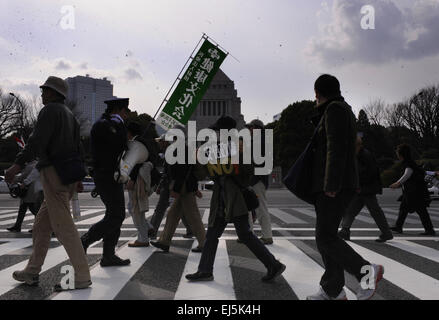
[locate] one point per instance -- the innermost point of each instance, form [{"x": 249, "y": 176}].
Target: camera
[{"x": 16, "y": 191}]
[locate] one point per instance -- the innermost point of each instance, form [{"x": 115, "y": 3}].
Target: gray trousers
[{"x": 371, "y": 202}]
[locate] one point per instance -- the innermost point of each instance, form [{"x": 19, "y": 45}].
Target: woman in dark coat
[{"x": 415, "y": 196}]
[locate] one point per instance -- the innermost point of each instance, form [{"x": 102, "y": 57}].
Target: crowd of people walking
[{"x": 345, "y": 178}]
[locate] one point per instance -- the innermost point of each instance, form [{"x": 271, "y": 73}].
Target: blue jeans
[{"x": 244, "y": 234}]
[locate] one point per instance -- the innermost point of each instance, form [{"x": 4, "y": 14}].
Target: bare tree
[
  {"x": 376, "y": 111},
  {"x": 421, "y": 114},
  {"x": 393, "y": 115},
  {"x": 10, "y": 114}
]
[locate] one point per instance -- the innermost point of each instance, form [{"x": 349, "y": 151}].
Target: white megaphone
[{"x": 136, "y": 153}]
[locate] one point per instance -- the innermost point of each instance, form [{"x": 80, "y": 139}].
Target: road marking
[
  {"x": 11, "y": 246},
  {"x": 286, "y": 217},
  {"x": 303, "y": 274},
  {"x": 54, "y": 257},
  {"x": 8, "y": 214},
  {"x": 128, "y": 219},
  {"x": 411, "y": 220},
  {"x": 88, "y": 212},
  {"x": 416, "y": 283},
  {"x": 312, "y": 214},
  {"x": 219, "y": 289},
  {"x": 416, "y": 249},
  {"x": 391, "y": 216},
  {"x": 109, "y": 281},
  {"x": 206, "y": 216},
  {"x": 10, "y": 221}
]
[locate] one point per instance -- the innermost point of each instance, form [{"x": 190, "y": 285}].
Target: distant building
[
  {"x": 220, "y": 99},
  {"x": 89, "y": 95},
  {"x": 277, "y": 117}
]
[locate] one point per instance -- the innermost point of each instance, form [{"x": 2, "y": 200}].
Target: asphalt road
[
  {"x": 411, "y": 262},
  {"x": 276, "y": 198}
]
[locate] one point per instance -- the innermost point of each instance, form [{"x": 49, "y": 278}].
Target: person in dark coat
[
  {"x": 108, "y": 142},
  {"x": 370, "y": 186},
  {"x": 335, "y": 179},
  {"x": 228, "y": 205},
  {"x": 415, "y": 195}
]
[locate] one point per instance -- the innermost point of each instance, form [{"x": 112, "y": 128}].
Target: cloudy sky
[{"x": 279, "y": 47}]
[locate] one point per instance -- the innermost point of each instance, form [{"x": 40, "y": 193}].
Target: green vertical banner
[{"x": 192, "y": 86}]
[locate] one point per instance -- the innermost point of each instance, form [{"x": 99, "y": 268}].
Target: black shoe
[
  {"x": 345, "y": 234},
  {"x": 114, "y": 261},
  {"x": 152, "y": 234},
  {"x": 197, "y": 249},
  {"x": 14, "y": 229},
  {"x": 383, "y": 238},
  {"x": 188, "y": 235},
  {"x": 396, "y": 230},
  {"x": 428, "y": 233},
  {"x": 157, "y": 244},
  {"x": 274, "y": 272},
  {"x": 200, "y": 276}
]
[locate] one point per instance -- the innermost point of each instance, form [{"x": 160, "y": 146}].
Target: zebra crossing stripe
[
  {"x": 205, "y": 219},
  {"x": 10, "y": 221},
  {"x": 417, "y": 249},
  {"x": 128, "y": 220},
  {"x": 412, "y": 220},
  {"x": 302, "y": 273},
  {"x": 219, "y": 289},
  {"x": 12, "y": 246},
  {"x": 109, "y": 281},
  {"x": 88, "y": 212},
  {"x": 9, "y": 214},
  {"x": 312, "y": 214},
  {"x": 416, "y": 283},
  {"x": 54, "y": 257},
  {"x": 286, "y": 217},
  {"x": 7, "y": 211}
]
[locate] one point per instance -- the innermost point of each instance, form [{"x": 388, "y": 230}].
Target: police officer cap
[
  {"x": 119, "y": 103},
  {"x": 225, "y": 122}
]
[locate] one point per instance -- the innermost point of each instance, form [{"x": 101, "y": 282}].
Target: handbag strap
[{"x": 313, "y": 138}]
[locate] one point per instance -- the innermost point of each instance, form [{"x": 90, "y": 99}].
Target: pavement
[{"x": 411, "y": 261}]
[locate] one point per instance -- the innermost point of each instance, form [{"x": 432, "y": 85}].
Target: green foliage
[
  {"x": 363, "y": 123},
  {"x": 430, "y": 164},
  {"x": 385, "y": 163},
  {"x": 292, "y": 133},
  {"x": 431, "y": 153},
  {"x": 392, "y": 175}
]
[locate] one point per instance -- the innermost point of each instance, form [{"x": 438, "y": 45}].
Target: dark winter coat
[
  {"x": 415, "y": 193},
  {"x": 334, "y": 163},
  {"x": 230, "y": 176},
  {"x": 56, "y": 134},
  {"x": 369, "y": 174}
]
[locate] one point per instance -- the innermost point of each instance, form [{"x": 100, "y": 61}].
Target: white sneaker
[
  {"x": 377, "y": 276},
  {"x": 321, "y": 295}
]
